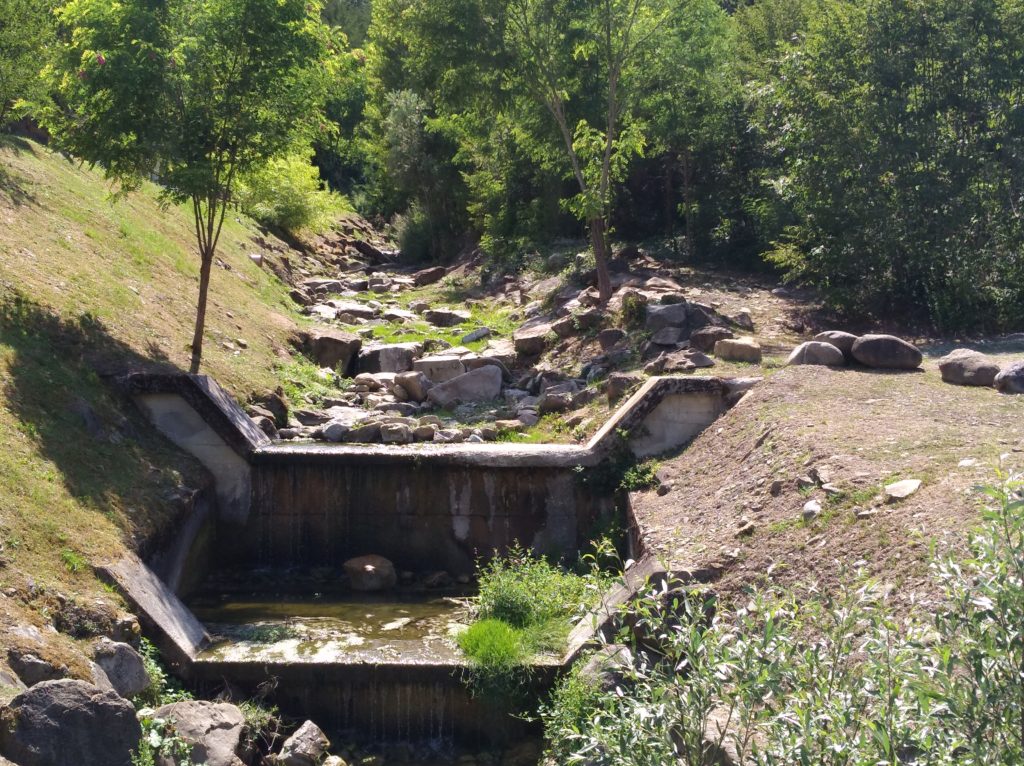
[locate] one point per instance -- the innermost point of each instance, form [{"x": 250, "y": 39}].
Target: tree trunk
[
  {"x": 204, "y": 289},
  {"x": 669, "y": 193},
  {"x": 600, "y": 245},
  {"x": 688, "y": 201}
]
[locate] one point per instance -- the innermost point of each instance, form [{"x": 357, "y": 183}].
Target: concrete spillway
[{"x": 426, "y": 507}]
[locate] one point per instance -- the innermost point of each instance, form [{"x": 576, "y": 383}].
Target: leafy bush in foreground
[
  {"x": 839, "y": 679},
  {"x": 526, "y": 606}
]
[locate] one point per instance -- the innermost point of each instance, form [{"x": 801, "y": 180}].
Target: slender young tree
[
  {"x": 193, "y": 93},
  {"x": 550, "y": 41}
]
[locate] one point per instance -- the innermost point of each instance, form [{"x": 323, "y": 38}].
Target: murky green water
[{"x": 348, "y": 628}]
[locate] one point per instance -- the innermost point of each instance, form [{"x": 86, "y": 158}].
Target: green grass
[{"x": 494, "y": 643}]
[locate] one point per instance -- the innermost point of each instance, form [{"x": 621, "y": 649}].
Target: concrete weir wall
[
  {"x": 438, "y": 510},
  {"x": 423, "y": 506}
]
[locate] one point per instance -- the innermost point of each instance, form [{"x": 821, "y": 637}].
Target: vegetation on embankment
[
  {"x": 130, "y": 265},
  {"x": 837, "y": 678},
  {"x": 89, "y": 287}
]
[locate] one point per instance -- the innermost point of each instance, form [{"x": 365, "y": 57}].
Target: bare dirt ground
[{"x": 734, "y": 514}]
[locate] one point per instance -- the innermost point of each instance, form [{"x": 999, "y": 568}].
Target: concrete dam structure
[{"x": 425, "y": 507}]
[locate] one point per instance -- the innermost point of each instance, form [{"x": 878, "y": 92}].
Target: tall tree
[
  {"x": 193, "y": 92},
  {"x": 550, "y": 42}
]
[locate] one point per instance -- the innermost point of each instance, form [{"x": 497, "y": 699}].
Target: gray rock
[
  {"x": 705, "y": 338},
  {"x": 398, "y": 316},
  {"x": 479, "y": 385},
  {"x": 32, "y": 669},
  {"x": 901, "y": 490},
  {"x": 1011, "y": 380},
  {"x": 395, "y": 433},
  {"x": 371, "y": 573},
  {"x": 554, "y": 401},
  {"x": 428, "y": 276},
  {"x": 306, "y": 747},
  {"x": 886, "y": 352},
  {"x": 366, "y": 433},
  {"x": 334, "y": 348},
  {"x": 478, "y": 334},
  {"x": 424, "y": 433},
  {"x": 212, "y": 729},
  {"x": 619, "y": 383},
  {"x": 440, "y": 368},
  {"x": 743, "y": 320},
  {"x": 415, "y": 383},
  {"x": 672, "y": 315},
  {"x": 738, "y": 350},
  {"x": 667, "y": 336},
  {"x": 842, "y": 340},
  {"x": 817, "y": 352},
  {"x": 391, "y": 357},
  {"x": 964, "y": 367},
  {"x": 446, "y": 317},
  {"x": 609, "y": 338},
  {"x": 69, "y": 723},
  {"x": 531, "y": 340},
  {"x": 123, "y": 667}
]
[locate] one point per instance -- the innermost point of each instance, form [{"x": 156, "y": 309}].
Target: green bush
[
  {"x": 526, "y": 591},
  {"x": 493, "y": 642},
  {"x": 837, "y": 679},
  {"x": 163, "y": 689},
  {"x": 288, "y": 194}
]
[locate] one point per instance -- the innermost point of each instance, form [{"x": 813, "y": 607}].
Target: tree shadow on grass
[
  {"x": 11, "y": 186},
  {"x": 58, "y": 388}
]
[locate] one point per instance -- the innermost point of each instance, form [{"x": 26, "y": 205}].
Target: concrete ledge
[
  {"x": 478, "y": 455},
  {"x": 165, "y": 619},
  {"x": 213, "y": 404}
]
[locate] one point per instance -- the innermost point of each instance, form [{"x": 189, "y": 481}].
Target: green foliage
[
  {"x": 160, "y": 743},
  {"x": 262, "y": 725},
  {"x": 194, "y": 94},
  {"x": 835, "y": 679},
  {"x": 25, "y": 31},
  {"x": 525, "y": 606},
  {"x": 286, "y": 193},
  {"x": 163, "y": 689},
  {"x": 620, "y": 471},
  {"x": 900, "y": 128},
  {"x": 493, "y": 643},
  {"x": 73, "y": 561},
  {"x": 524, "y": 590},
  {"x": 305, "y": 382}
]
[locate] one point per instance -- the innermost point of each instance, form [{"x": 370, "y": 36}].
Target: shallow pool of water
[{"x": 413, "y": 627}]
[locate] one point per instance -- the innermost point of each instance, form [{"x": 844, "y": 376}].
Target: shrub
[
  {"x": 161, "y": 744},
  {"x": 525, "y": 591},
  {"x": 492, "y": 642},
  {"x": 288, "y": 194},
  {"x": 163, "y": 689},
  {"x": 837, "y": 679}
]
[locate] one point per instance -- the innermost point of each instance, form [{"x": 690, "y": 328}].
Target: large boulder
[
  {"x": 672, "y": 315},
  {"x": 69, "y": 723},
  {"x": 441, "y": 367},
  {"x": 532, "y": 339},
  {"x": 1011, "y": 380},
  {"x": 212, "y": 729},
  {"x": 966, "y": 367},
  {"x": 391, "y": 357},
  {"x": 886, "y": 352},
  {"x": 415, "y": 384},
  {"x": 123, "y": 667},
  {"x": 446, "y": 317},
  {"x": 842, "y": 340},
  {"x": 815, "y": 352},
  {"x": 705, "y": 338},
  {"x": 334, "y": 348},
  {"x": 429, "y": 276},
  {"x": 744, "y": 349},
  {"x": 479, "y": 385},
  {"x": 367, "y": 574},
  {"x": 306, "y": 747}
]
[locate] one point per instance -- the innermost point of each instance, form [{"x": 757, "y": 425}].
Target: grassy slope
[{"x": 89, "y": 286}]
